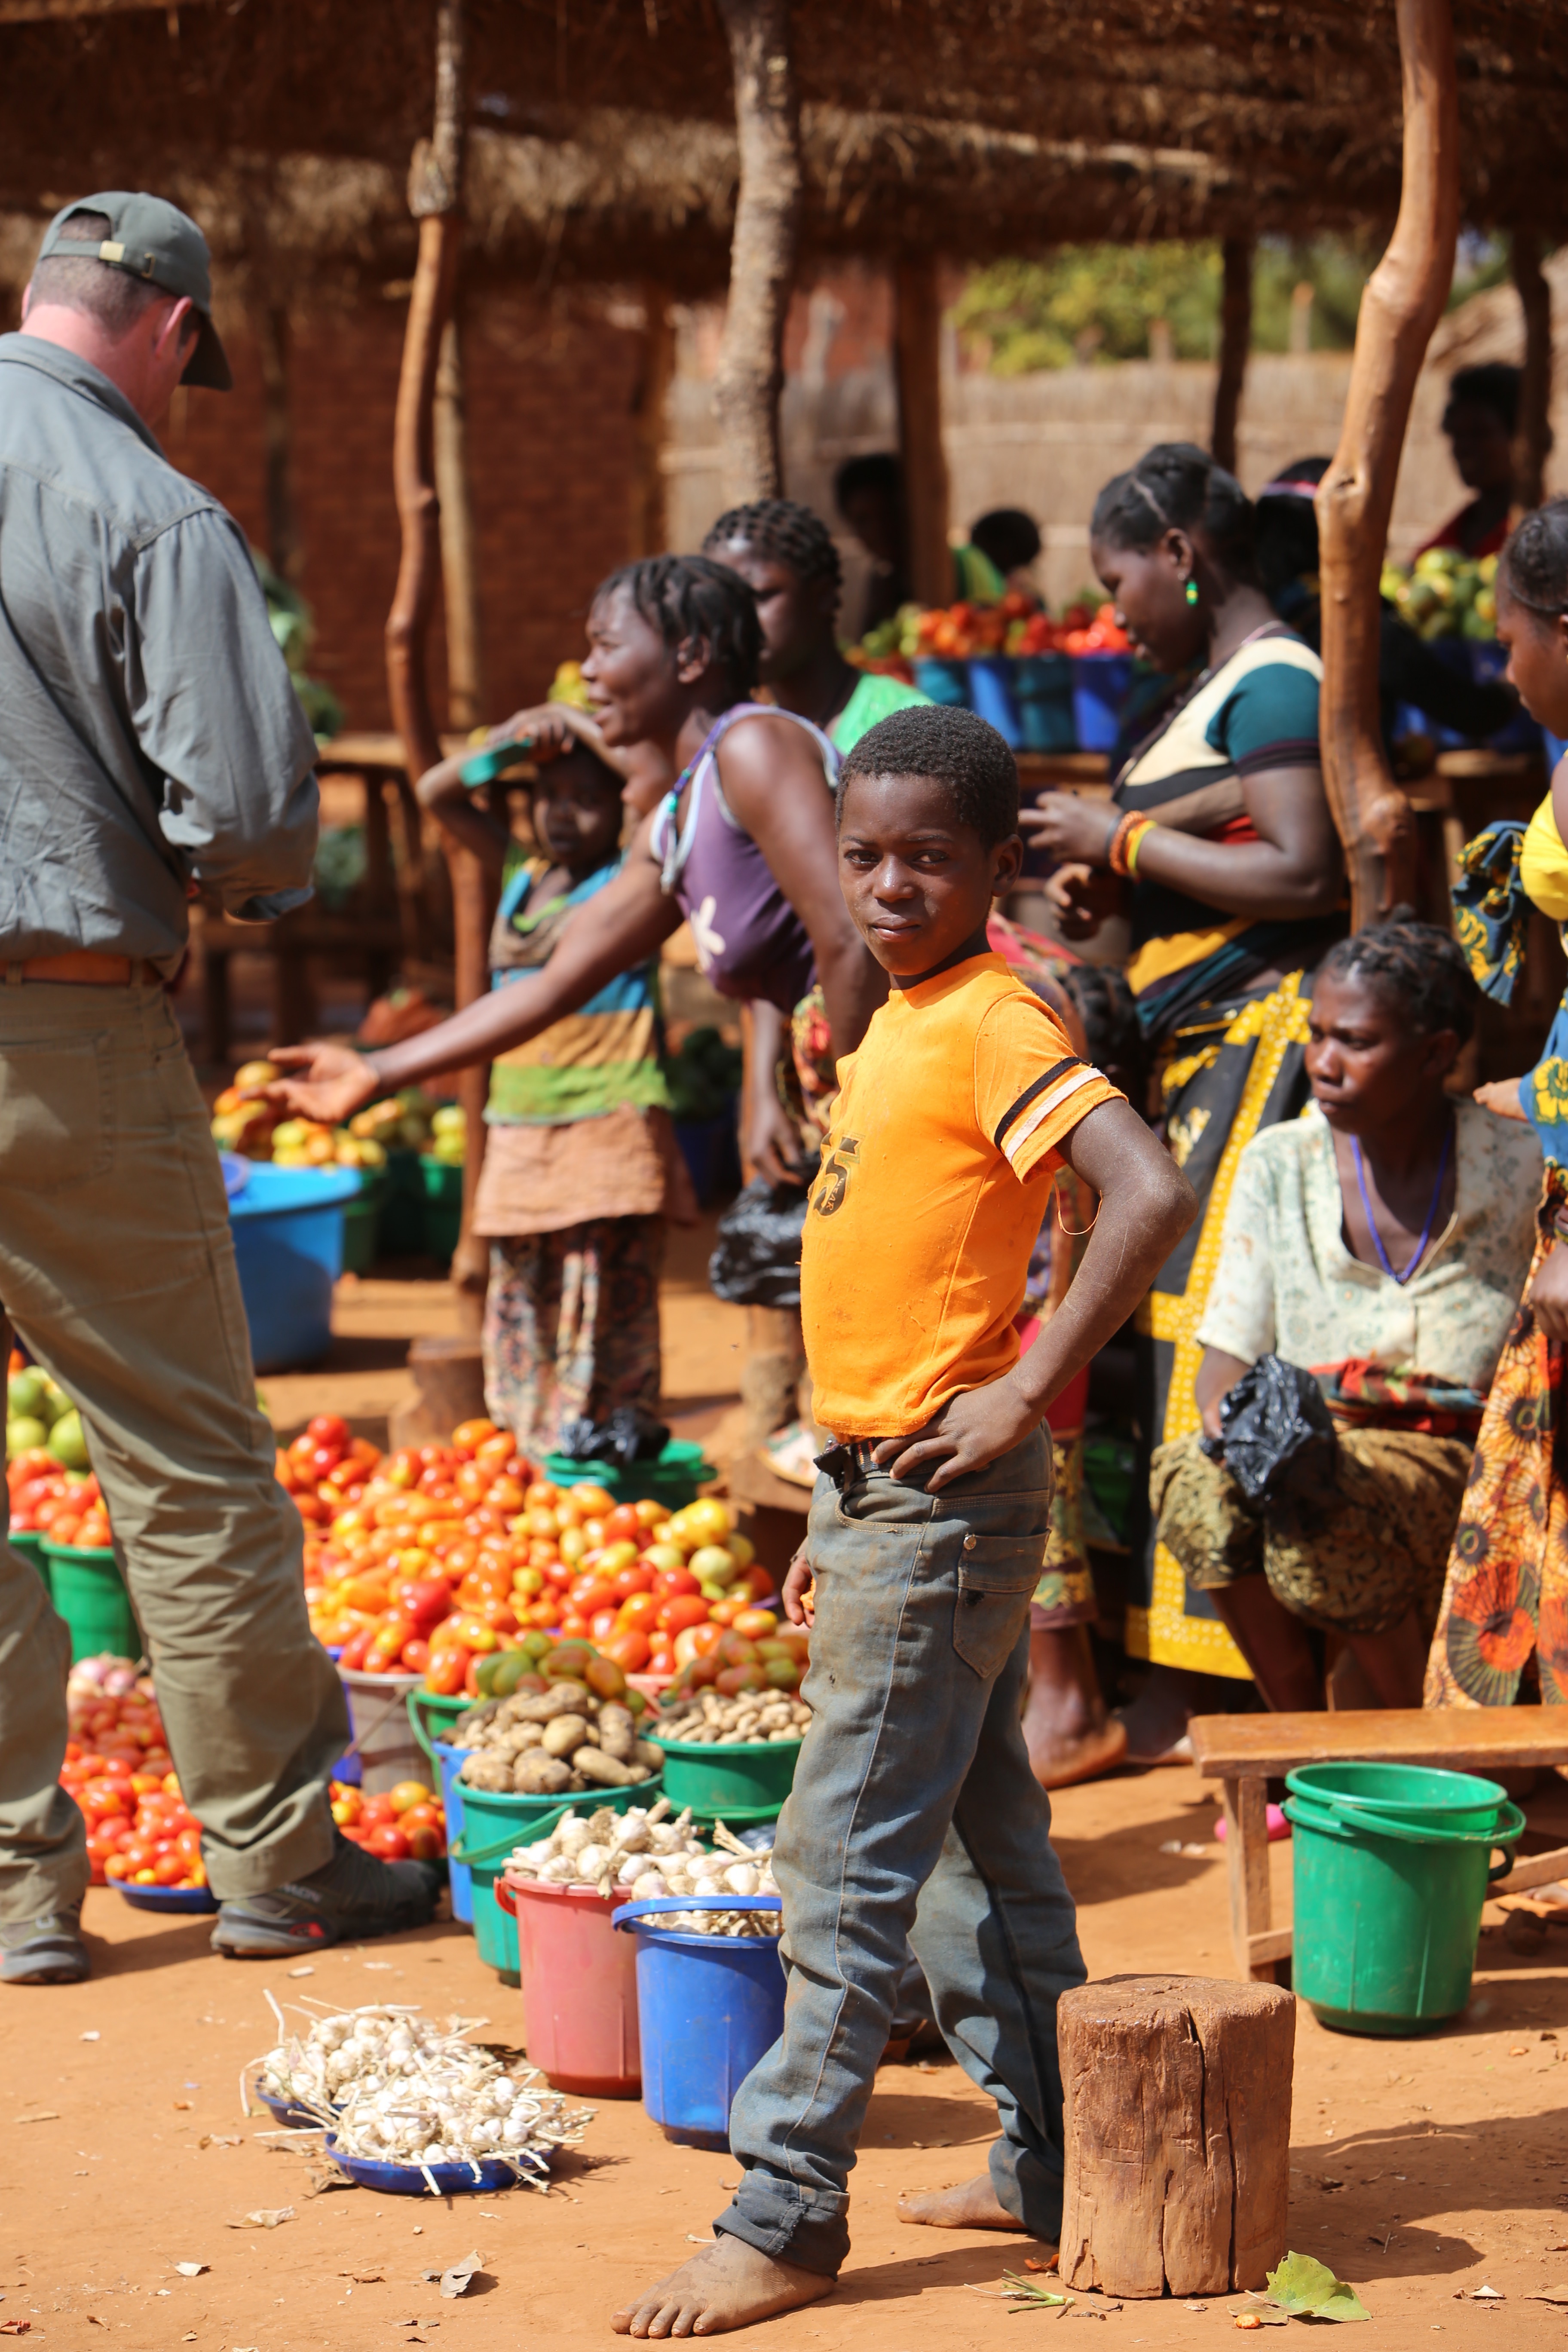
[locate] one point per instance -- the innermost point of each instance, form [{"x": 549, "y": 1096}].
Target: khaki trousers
[{"x": 117, "y": 1269}]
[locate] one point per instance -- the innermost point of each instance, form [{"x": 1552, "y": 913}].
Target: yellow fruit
[{"x": 255, "y": 1074}]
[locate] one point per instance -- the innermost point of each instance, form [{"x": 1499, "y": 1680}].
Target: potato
[
  {"x": 567, "y": 1697},
  {"x": 645, "y": 1752},
  {"x": 617, "y": 1733},
  {"x": 536, "y": 1774},
  {"x": 563, "y": 1733},
  {"x": 488, "y": 1771},
  {"x": 605, "y": 1771}
]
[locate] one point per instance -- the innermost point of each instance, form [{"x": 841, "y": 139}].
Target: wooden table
[{"x": 1244, "y": 1752}]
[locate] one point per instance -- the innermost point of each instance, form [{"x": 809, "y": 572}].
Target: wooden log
[
  {"x": 1235, "y": 342},
  {"x": 750, "y": 374},
  {"x": 448, "y": 1388},
  {"x": 1402, "y": 304},
  {"x": 1177, "y": 2111},
  {"x": 1532, "y": 437},
  {"x": 917, "y": 351}
]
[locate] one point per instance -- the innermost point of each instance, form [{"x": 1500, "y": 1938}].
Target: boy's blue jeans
[{"x": 914, "y": 1821}]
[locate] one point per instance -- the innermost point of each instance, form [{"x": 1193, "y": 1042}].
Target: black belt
[{"x": 847, "y": 1456}]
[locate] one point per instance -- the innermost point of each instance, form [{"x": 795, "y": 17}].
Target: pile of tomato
[
  {"x": 441, "y": 1555},
  {"x": 408, "y": 1823},
  {"x": 326, "y": 1470},
  {"x": 137, "y": 1825},
  {"x": 48, "y": 1500}
]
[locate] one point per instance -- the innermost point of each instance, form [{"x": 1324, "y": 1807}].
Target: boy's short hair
[{"x": 956, "y": 750}]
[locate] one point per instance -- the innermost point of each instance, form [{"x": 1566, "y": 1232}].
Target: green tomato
[
  {"x": 24, "y": 1435},
  {"x": 67, "y": 1443}
]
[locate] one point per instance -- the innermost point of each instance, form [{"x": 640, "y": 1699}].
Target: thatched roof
[{"x": 605, "y": 143}]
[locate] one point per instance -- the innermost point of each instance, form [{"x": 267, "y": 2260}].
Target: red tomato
[
  {"x": 378, "y": 1809},
  {"x": 426, "y": 1845},
  {"x": 633, "y": 1580},
  {"x": 168, "y": 1870},
  {"x": 638, "y": 1613},
  {"x": 416, "y": 1657},
  {"x": 590, "y": 1593},
  {"x": 424, "y": 1599},
  {"x": 444, "y": 1677},
  {"x": 102, "y": 1797},
  {"x": 355, "y": 1648},
  {"x": 602, "y": 1625},
  {"x": 328, "y": 1429},
  {"x": 682, "y": 1611},
  {"x": 670, "y": 1582},
  {"x": 623, "y": 1525},
  {"x": 427, "y": 1815},
  {"x": 629, "y": 1648}
]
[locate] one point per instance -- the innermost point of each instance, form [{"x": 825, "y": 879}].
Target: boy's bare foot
[
  {"x": 967, "y": 2205},
  {"x": 727, "y": 2285}
]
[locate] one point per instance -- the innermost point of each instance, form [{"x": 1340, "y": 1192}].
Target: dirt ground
[{"x": 1422, "y": 2170}]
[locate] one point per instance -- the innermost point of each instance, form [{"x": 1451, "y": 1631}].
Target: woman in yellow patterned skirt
[{"x": 1220, "y": 849}]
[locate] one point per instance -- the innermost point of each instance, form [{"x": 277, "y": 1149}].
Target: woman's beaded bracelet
[{"x": 1122, "y": 853}]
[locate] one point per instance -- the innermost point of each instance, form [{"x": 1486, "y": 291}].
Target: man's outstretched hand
[{"x": 333, "y": 1082}]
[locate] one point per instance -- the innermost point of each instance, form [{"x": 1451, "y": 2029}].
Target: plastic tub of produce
[
  {"x": 747, "y": 1782},
  {"x": 29, "y": 1542},
  {"x": 442, "y": 1180},
  {"x": 289, "y": 1244},
  {"x": 487, "y": 2173},
  {"x": 166, "y": 1898},
  {"x": 361, "y": 1222},
  {"x": 284, "y": 2111},
  {"x": 672, "y": 1479},
  {"x": 383, "y": 1738},
  {"x": 492, "y": 1826},
  {"x": 1100, "y": 683},
  {"x": 709, "y": 2008},
  {"x": 579, "y": 1988},
  {"x": 992, "y": 697},
  {"x": 89, "y": 1594}
]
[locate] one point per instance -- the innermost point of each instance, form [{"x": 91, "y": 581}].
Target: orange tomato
[
  {"x": 683, "y": 1611},
  {"x": 630, "y": 1650},
  {"x": 469, "y": 1435},
  {"x": 622, "y": 1523},
  {"x": 756, "y": 1624},
  {"x": 602, "y": 1625},
  {"x": 638, "y": 1613}
]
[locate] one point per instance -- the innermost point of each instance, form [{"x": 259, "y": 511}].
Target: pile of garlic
[
  {"x": 394, "y": 2088},
  {"x": 639, "y": 1855}
]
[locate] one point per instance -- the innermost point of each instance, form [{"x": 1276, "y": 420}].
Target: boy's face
[
  {"x": 577, "y": 810},
  {"x": 917, "y": 882}
]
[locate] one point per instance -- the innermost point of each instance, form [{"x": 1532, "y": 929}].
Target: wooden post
[
  {"x": 1533, "y": 440},
  {"x": 1235, "y": 341},
  {"x": 648, "y": 531},
  {"x": 761, "y": 257},
  {"x": 1402, "y": 304},
  {"x": 1178, "y": 2118},
  {"x": 459, "y": 555},
  {"x": 435, "y": 198},
  {"x": 916, "y": 330}
]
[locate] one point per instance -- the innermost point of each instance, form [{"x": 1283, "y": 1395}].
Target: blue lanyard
[{"x": 1431, "y": 1214}]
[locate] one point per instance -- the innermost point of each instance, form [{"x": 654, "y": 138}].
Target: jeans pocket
[
  {"x": 55, "y": 1127},
  {"x": 997, "y": 1580}
]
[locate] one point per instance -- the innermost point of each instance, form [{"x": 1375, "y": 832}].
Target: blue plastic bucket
[
  {"x": 943, "y": 680},
  {"x": 1100, "y": 687},
  {"x": 449, "y": 1762},
  {"x": 991, "y": 697},
  {"x": 1042, "y": 688},
  {"x": 288, "y": 1242},
  {"x": 709, "y": 2008}
]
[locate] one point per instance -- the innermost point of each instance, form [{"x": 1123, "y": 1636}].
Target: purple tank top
[{"x": 749, "y": 940}]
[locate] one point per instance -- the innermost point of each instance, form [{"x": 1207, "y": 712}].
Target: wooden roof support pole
[
  {"x": 459, "y": 554},
  {"x": 763, "y": 253},
  {"x": 1402, "y": 304},
  {"x": 1533, "y": 440},
  {"x": 435, "y": 198},
  {"x": 1235, "y": 342},
  {"x": 917, "y": 351}
]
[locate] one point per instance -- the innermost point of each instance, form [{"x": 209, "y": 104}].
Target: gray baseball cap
[{"x": 151, "y": 240}]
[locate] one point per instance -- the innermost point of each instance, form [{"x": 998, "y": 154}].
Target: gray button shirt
[{"x": 149, "y": 730}]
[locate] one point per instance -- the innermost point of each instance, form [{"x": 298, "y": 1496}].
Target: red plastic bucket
[{"x": 579, "y": 1988}]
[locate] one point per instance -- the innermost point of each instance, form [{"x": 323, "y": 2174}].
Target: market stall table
[{"x": 1244, "y": 1752}]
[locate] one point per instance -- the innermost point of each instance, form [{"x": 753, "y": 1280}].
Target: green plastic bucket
[
  {"x": 443, "y": 1219},
  {"x": 673, "y": 1479},
  {"x": 747, "y": 1782},
  {"x": 361, "y": 1222},
  {"x": 29, "y": 1542},
  {"x": 493, "y": 1825},
  {"x": 89, "y": 1594},
  {"x": 402, "y": 1205},
  {"x": 1388, "y": 1893}
]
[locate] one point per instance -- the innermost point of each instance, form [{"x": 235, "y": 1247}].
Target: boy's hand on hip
[
  {"x": 972, "y": 1429},
  {"x": 797, "y": 1590}
]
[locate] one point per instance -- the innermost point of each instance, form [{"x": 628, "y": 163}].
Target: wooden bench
[{"x": 1244, "y": 1752}]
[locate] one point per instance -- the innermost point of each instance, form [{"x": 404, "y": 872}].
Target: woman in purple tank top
[{"x": 745, "y": 844}]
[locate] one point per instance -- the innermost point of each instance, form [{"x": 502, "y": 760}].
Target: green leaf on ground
[
  {"x": 1309, "y": 2288},
  {"x": 1028, "y": 2294}
]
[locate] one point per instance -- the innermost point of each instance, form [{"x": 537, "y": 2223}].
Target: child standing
[
  {"x": 581, "y": 1167},
  {"x": 915, "y": 1819}
]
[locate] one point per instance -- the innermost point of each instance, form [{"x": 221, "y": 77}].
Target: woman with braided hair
[
  {"x": 1220, "y": 849},
  {"x": 1504, "y": 1622},
  {"x": 1379, "y": 1244},
  {"x": 742, "y": 846}
]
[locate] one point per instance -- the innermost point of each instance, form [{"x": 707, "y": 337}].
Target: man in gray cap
[{"x": 151, "y": 746}]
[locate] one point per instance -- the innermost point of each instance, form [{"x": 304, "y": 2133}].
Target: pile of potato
[
  {"x": 715, "y": 1722},
  {"x": 552, "y": 1743}
]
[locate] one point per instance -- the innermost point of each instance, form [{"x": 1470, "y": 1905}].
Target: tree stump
[
  {"x": 1177, "y": 2113},
  {"x": 449, "y": 1389}
]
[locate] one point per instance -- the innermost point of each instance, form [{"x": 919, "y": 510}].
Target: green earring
[{"x": 1192, "y": 591}]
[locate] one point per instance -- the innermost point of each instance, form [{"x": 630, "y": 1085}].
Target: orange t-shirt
[{"x": 933, "y": 1185}]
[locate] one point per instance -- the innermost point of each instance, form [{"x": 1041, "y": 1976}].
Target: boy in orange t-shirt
[{"x": 915, "y": 1819}]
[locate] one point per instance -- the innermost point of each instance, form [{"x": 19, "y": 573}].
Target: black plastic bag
[
  {"x": 1277, "y": 1436},
  {"x": 757, "y": 1262},
  {"x": 630, "y": 1434}
]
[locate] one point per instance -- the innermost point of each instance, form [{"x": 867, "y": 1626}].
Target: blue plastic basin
[
  {"x": 1100, "y": 684},
  {"x": 288, "y": 1242}
]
